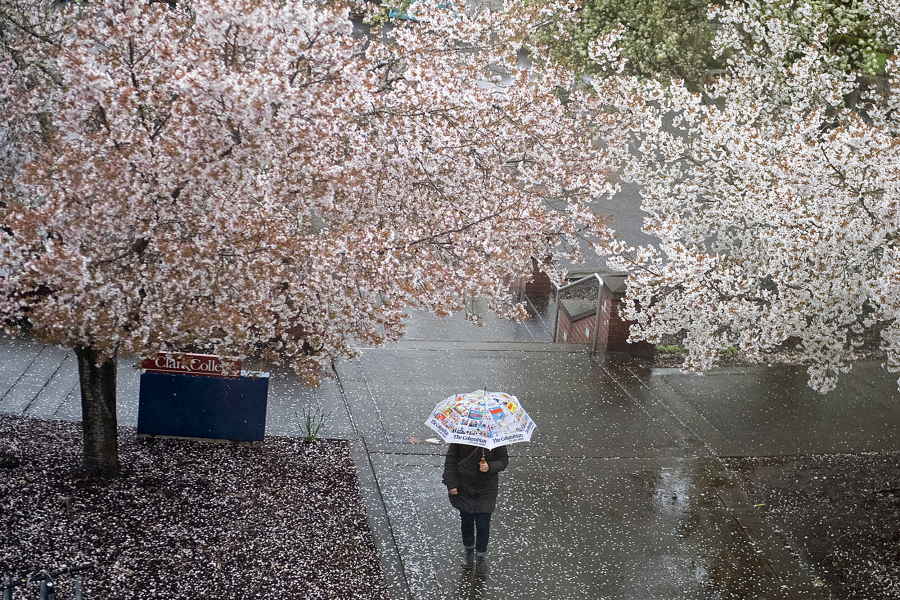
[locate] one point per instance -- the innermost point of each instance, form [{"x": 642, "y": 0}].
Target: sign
[{"x": 206, "y": 365}]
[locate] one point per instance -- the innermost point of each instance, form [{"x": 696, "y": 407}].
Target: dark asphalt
[{"x": 620, "y": 494}]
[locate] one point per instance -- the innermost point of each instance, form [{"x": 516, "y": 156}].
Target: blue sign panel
[{"x": 195, "y": 406}]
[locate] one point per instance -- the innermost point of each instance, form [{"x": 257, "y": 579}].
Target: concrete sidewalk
[{"x": 620, "y": 494}]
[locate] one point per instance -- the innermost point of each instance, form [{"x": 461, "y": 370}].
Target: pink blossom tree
[
  {"x": 245, "y": 177},
  {"x": 775, "y": 195}
]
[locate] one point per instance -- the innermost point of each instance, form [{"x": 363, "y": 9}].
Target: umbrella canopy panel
[{"x": 480, "y": 418}]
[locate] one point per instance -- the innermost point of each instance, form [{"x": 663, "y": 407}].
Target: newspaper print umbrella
[{"x": 480, "y": 418}]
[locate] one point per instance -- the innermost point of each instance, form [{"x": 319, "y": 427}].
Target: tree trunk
[{"x": 98, "y": 413}]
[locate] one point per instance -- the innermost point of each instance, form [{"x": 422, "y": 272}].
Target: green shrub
[{"x": 672, "y": 349}]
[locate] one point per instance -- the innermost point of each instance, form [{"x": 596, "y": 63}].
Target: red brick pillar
[{"x": 540, "y": 284}]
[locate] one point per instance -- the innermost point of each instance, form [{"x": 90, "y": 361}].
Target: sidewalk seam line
[
  {"x": 46, "y": 383},
  {"x": 755, "y": 544},
  {"x": 337, "y": 378},
  {"x": 362, "y": 439},
  {"x": 66, "y": 397},
  {"x": 25, "y": 370}
]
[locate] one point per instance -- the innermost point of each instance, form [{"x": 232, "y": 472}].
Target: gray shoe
[
  {"x": 469, "y": 558},
  {"x": 480, "y": 565}
]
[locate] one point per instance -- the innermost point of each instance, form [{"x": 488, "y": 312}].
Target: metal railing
[
  {"x": 46, "y": 583},
  {"x": 582, "y": 281}
]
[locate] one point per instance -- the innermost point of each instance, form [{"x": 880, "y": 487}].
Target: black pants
[{"x": 476, "y": 529}]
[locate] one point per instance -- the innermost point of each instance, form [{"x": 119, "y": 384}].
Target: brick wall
[
  {"x": 618, "y": 332},
  {"x": 612, "y": 333},
  {"x": 579, "y": 328},
  {"x": 618, "y": 327},
  {"x": 540, "y": 284},
  {"x": 579, "y": 332},
  {"x": 613, "y": 330}
]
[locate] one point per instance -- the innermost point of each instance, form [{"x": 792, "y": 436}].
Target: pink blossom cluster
[{"x": 250, "y": 177}]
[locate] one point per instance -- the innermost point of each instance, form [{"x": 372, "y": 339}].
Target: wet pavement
[{"x": 620, "y": 494}]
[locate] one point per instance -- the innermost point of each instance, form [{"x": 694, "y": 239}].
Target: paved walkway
[{"x": 620, "y": 494}]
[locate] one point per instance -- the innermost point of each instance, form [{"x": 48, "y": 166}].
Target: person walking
[{"x": 471, "y": 475}]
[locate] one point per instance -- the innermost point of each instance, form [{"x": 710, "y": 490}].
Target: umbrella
[{"x": 480, "y": 418}]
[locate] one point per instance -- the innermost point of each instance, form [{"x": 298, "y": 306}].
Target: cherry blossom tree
[
  {"x": 775, "y": 195},
  {"x": 246, "y": 177}
]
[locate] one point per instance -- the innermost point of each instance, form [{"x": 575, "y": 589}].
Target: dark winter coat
[{"x": 476, "y": 491}]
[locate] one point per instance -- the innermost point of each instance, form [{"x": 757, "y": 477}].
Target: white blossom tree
[
  {"x": 775, "y": 195},
  {"x": 886, "y": 15},
  {"x": 245, "y": 177}
]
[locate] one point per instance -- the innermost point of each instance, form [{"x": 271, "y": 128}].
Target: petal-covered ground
[
  {"x": 839, "y": 512},
  {"x": 276, "y": 519},
  {"x": 285, "y": 519}
]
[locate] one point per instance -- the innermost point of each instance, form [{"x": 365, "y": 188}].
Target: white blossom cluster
[{"x": 775, "y": 196}]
